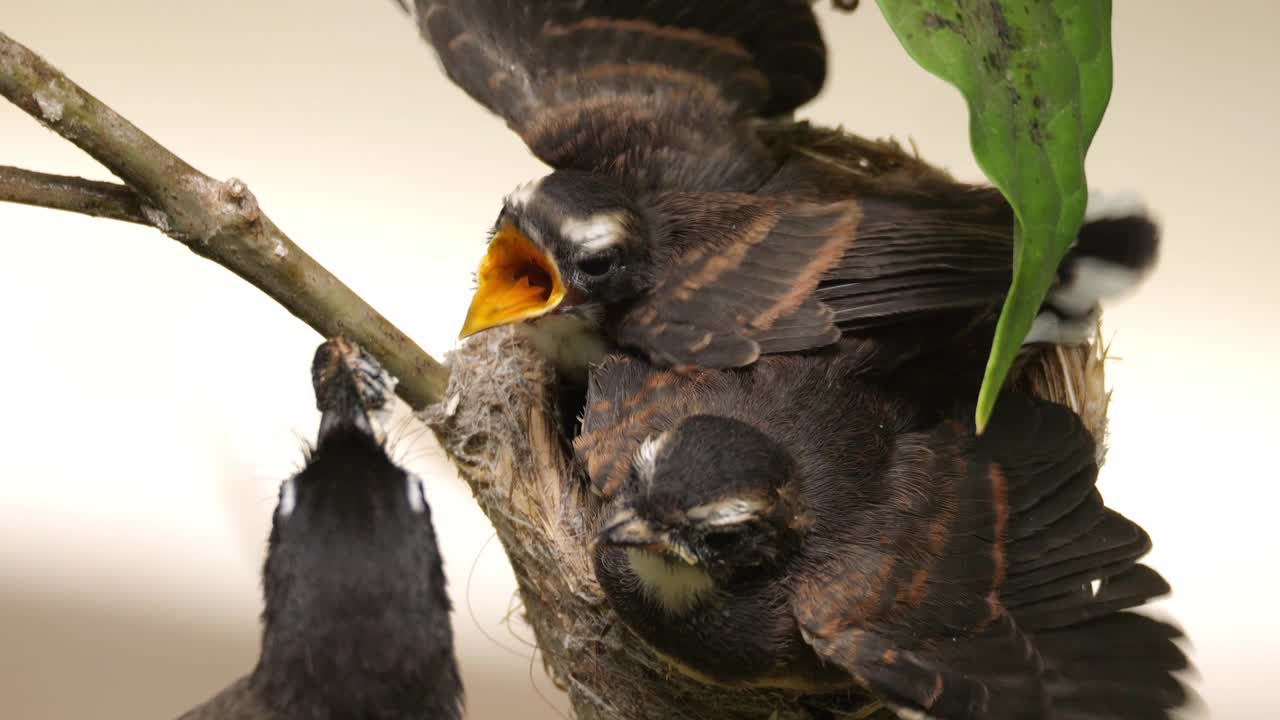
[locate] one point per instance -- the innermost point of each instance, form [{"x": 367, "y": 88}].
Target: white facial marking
[
  {"x": 675, "y": 586},
  {"x": 646, "y": 458},
  {"x": 1094, "y": 586},
  {"x": 600, "y": 231},
  {"x": 621, "y": 517},
  {"x": 288, "y": 498},
  {"x": 1114, "y": 205},
  {"x": 728, "y": 512},
  {"x": 413, "y": 487},
  {"x": 521, "y": 196},
  {"x": 906, "y": 713}
]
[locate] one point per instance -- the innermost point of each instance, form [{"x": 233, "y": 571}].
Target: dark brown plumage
[
  {"x": 689, "y": 220},
  {"x": 794, "y": 524},
  {"x": 355, "y": 621}
]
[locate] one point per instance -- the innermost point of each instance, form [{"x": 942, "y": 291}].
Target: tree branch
[
  {"x": 500, "y": 425},
  {"x": 217, "y": 220},
  {"x": 73, "y": 194}
]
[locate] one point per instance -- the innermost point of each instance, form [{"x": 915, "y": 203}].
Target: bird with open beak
[
  {"x": 356, "y": 616},
  {"x": 689, "y": 220},
  {"x": 793, "y": 525}
]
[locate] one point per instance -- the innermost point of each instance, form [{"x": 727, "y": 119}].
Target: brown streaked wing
[
  {"x": 627, "y": 401},
  {"x": 744, "y": 283},
  {"x": 912, "y": 261},
  {"x": 987, "y": 541},
  {"x": 654, "y": 91}
]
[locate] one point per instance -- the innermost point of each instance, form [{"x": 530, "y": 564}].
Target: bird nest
[{"x": 500, "y": 425}]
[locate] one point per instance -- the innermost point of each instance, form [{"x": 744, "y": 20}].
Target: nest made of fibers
[{"x": 498, "y": 423}]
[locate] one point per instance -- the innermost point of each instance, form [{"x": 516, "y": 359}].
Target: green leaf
[{"x": 1036, "y": 75}]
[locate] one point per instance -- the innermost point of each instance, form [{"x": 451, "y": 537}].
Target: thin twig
[
  {"x": 73, "y": 194},
  {"x": 217, "y": 220}
]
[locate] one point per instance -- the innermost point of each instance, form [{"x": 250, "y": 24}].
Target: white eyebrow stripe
[
  {"x": 413, "y": 487},
  {"x": 646, "y": 457},
  {"x": 288, "y": 498},
  {"x": 521, "y": 196},
  {"x": 600, "y": 231},
  {"x": 729, "y": 511}
]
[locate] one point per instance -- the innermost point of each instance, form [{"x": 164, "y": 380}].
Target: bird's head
[
  {"x": 566, "y": 243},
  {"x": 356, "y": 612},
  {"x": 349, "y": 477},
  {"x": 712, "y": 494},
  {"x": 352, "y": 527}
]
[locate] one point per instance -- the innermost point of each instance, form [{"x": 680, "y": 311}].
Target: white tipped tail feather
[{"x": 1113, "y": 254}]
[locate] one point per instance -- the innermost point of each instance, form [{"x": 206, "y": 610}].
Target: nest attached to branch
[{"x": 499, "y": 424}]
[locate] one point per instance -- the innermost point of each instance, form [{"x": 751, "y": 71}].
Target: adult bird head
[
  {"x": 710, "y": 498},
  {"x": 568, "y": 243},
  {"x": 349, "y": 480},
  {"x": 356, "y": 612}
]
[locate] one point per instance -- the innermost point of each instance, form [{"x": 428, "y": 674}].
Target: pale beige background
[{"x": 152, "y": 401}]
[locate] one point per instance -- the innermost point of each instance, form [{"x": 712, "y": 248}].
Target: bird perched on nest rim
[
  {"x": 689, "y": 219},
  {"x": 793, "y": 525},
  {"x": 356, "y": 616}
]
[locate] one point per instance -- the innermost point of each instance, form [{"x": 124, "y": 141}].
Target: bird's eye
[{"x": 598, "y": 265}]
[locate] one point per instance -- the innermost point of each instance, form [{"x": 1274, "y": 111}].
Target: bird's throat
[
  {"x": 572, "y": 342},
  {"x": 675, "y": 586}
]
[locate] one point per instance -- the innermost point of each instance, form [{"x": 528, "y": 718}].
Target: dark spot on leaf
[
  {"x": 1037, "y": 102},
  {"x": 1037, "y": 135},
  {"x": 1002, "y": 25},
  {"x": 993, "y": 62},
  {"x": 934, "y": 21}
]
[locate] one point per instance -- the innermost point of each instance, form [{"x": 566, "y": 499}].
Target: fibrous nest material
[{"x": 500, "y": 426}]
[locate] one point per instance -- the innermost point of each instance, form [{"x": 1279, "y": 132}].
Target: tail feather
[
  {"x": 1112, "y": 255},
  {"x": 1117, "y": 667},
  {"x": 1091, "y": 599},
  {"x": 1073, "y": 576},
  {"x": 1113, "y": 542}
]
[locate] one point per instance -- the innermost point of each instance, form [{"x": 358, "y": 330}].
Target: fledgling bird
[
  {"x": 793, "y": 525},
  {"x": 356, "y": 616},
  {"x": 690, "y": 220}
]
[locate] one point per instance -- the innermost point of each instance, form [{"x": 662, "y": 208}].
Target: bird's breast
[{"x": 571, "y": 342}]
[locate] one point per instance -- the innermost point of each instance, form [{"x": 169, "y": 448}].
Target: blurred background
[{"x": 154, "y": 401}]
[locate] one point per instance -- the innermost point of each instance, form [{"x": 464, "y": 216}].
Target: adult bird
[
  {"x": 689, "y": 220},
  {"x": 794, "y": 525},
  {"x": 356, "y": 616}
]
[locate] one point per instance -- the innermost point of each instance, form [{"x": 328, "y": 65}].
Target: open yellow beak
[{"x": 516, "y": 281}]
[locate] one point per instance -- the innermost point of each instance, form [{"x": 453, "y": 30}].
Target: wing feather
[
  {"x": 745, "y": 283},
  {"x": 656, "y": 92},
  {"x": 986, "y": 605}
]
